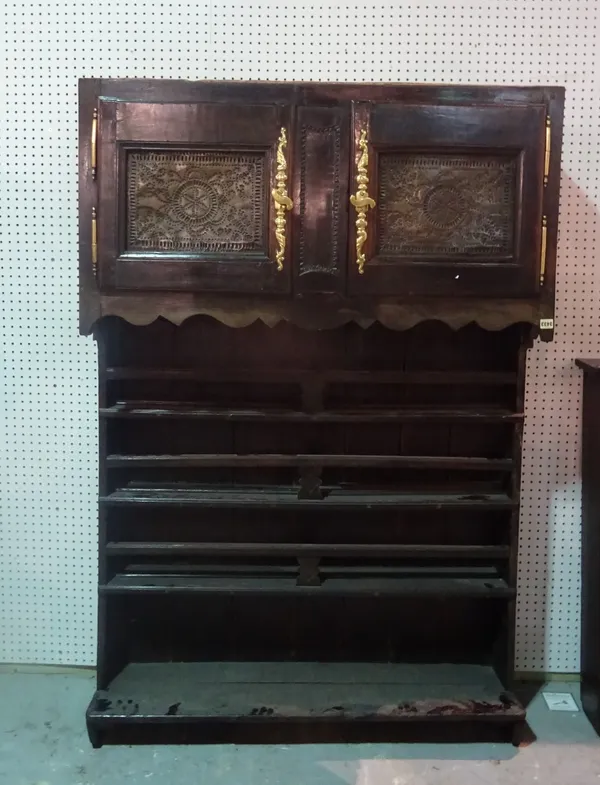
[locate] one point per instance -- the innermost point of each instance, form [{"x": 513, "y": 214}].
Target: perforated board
[{"x": 48, "y": 443}]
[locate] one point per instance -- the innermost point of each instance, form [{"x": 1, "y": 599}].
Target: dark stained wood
[
  {"x": 505, "y": 648},
  {"x": 242, "y": 375},
  {"x": 88, "y": 291},
  {"x": 318, "y": 93},
  {"x": 112, "y": 658},
  {"x": 590, "y": 366},
  {"x": 127, "y": 128},
  {"x": 312, "y": 563},
  {"x": 345, "y": 587},
  {"x": 319, "y": 312},
  {"x": 396, "y": 500},
  {"x": 499, "y": 135},
  {"x": 333, "y": 499},
  {"x": 269, "y": 438},
  {"x": 191, "y": 702},
  {"x": 372, "y": 461},
  {"x": 590, "y": 544},
  {"x": 439, "y": 727},
  {"x": 150, "y": 410},
  {"x": 321, "y": 164},
  {"x": 339, "y": 551},
  {"x": 210, "y": 116},
  {"x": 550, "y": 210}
]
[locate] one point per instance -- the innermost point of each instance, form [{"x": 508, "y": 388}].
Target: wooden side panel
[
  {"x": 590, "y": 551},
  {"x": 550, "y": 205}
]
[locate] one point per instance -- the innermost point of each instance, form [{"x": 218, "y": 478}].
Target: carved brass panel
[
  {"x": 446, "y": 205},
  {"x": 195, "y": 201}
]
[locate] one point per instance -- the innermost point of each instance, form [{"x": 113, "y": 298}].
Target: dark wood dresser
[
  {"x": 590, "y": 543},
  {"x": 312, "y": 304}
]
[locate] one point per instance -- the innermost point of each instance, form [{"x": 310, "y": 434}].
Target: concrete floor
[{"x": 43, "y": 742}]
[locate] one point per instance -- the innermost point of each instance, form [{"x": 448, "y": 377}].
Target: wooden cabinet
[
  {"x": 313, "y": 305},
  {"x": 252, "y": 189},
  {"x": 457, "y": 199},
  {"x": 590, "y": 542}
]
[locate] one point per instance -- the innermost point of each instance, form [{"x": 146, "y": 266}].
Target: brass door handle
[
  {"x": 361, "y": 201},
  {"x": 281, "y": 199},
  {"x": 543, "y": 248},
  {"x": 547, "y": 150},
  {"x": 94, "y": 144}
]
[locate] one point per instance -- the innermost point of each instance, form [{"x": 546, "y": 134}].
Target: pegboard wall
[{"x": 48, "y": 446}]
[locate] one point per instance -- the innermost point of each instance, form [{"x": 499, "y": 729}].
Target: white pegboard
[{"x": 48, "y": 386}]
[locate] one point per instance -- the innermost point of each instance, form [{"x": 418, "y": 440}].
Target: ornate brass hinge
[
  {"x": 95, "y": 242},
  {"x": 543, "y": 248},
  {"x": 94, "y": 145},
  {"x": 547, "y": 150}
]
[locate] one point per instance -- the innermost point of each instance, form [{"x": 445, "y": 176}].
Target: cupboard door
[
  {"x": 448, "y": 199},
  {"x": 186, "y": 197}
]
